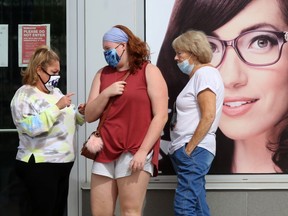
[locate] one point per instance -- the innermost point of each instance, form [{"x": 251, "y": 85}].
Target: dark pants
[{"x": 47, "y": 186}]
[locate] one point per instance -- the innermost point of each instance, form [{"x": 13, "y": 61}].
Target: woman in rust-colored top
[{"x": 131, "y": 131}]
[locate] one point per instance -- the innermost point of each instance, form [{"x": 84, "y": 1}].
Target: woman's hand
[
  {"x": 138, "y": 161},
  {"x": 65, "y": 101},
  {"x": 81, "y": 108},
  {"x": 117, "y": 88},
  {"x": 189, "y": 149}
]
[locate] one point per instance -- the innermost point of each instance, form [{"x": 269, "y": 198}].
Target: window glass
[{"x": 13, "y": 13}]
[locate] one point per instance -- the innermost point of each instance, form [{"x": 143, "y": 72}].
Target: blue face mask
[
  {"x": 112, "y": 58},
  {"x": 185, "y": 67}
]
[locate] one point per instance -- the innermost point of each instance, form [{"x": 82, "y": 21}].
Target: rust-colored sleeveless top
[{"x": 128, "y": 118}]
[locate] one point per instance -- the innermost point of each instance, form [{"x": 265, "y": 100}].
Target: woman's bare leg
[
  {"x": 132, "y": 192},
  {"x": 103, "y": 195}
]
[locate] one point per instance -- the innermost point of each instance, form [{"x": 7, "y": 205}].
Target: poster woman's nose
[{"x": 233, "y": 70}]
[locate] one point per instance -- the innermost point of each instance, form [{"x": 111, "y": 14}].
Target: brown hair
[
  {"x": 43, "y": 56},
  {"x": 138, "y": 50}
]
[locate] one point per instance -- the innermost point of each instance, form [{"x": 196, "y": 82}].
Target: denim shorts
[{"x": 120, "y": 167}]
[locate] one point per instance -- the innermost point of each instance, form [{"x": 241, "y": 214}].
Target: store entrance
[{"x": 12, "y": 14}]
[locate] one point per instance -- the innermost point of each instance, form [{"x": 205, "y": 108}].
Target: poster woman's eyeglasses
[{"x": 255, "y": 48}]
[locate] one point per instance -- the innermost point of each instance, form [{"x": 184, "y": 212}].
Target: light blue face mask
[{"x": 185, "y": 67}]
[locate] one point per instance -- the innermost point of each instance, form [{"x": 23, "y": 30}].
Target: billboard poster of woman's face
[{"x": 248, "y": 40}]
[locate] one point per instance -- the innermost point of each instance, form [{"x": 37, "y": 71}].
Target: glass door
[{"x": 12, "y": 14}]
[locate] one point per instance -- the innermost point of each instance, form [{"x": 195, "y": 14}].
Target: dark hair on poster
[{"x": 252, "y": 136}]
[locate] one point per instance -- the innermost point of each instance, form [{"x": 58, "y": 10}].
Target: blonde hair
[
  {"x": 43, "y": 56},
  {"x": 194, "y": 42}
]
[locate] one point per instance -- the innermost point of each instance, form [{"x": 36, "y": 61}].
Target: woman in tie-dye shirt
[{"x": 46, "y": 123}]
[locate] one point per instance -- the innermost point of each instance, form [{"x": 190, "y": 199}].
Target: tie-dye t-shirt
[{"x": 44, "y": 130}]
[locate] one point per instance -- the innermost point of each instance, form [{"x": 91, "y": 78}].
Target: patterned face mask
[
  {"x": 111, "y": 56},
  {"x": 52, "y": 82}
]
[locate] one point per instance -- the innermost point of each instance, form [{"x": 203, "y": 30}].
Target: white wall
[
  {"x": 76, "y": 84},
  {"x": 156, "y": 25},
  {"x": 100, "y": 16}
]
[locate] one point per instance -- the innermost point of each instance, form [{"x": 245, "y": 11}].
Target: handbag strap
[{"x": 105, "y": 112}]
